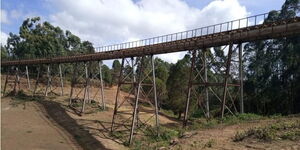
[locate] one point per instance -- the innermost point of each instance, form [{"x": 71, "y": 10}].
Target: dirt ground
[
  {"x": 48, "y": 123},
  {"x": 221, "y": 138},
  {"x": 27, "y": 127}
]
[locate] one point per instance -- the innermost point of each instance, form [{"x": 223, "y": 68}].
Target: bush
[{"x": 280, "y": 130}]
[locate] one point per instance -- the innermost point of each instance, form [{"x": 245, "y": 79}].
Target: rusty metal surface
[{"x": 278, "y": 29}]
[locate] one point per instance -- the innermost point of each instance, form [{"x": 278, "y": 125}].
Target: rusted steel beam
[{"x": 285, "y": 28}]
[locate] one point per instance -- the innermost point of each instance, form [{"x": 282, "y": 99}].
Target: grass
[
  {"x": 92, "y": 107},
  {"x": 21, "y": 98},
  {"x": 281, "y": 130},
  {"x": 245, "y": 117},
  {"x": 150, "y": 140},
  {"x": 227, "y": 120},
  {"x": 168, "y": 113}
]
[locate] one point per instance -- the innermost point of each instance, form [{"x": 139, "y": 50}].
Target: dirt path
[{"x": 26, "y": 127}]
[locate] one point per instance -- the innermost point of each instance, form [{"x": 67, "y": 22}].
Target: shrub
[{"x": 280, "y": 130}]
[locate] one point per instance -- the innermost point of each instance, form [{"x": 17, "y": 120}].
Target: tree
[
  {"x": 116, "y": 68},
  {"x": 40, "y": 39},
  {"x": 177, "y": 86},
  {"x": 4, "y": 53},
  {"x": 106, "y": 73},
  {"x": 273, "y": 70}
]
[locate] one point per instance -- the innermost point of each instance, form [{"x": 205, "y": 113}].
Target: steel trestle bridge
[{"x": 135, "y": 54}]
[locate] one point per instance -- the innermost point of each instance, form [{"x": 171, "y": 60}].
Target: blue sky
[{"x": 105, "y": 22}]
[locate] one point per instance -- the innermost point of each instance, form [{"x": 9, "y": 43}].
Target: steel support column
[
  {"x": 190, "y": 84},
  {"x": 86, "y": 90},
  {"x": 101, "y": 85},
  {"x": 206, "y": 87},
  {"x": 134, "y": 85},
  {"x": 17, "y": 81},
  {"x": 134, "y": 114},
  {"x": 117, "y": 95},
  {"x": 6, "y": 80},
  {"x": 155, "y": 95},
  {"x": 74, "y": 78},
  {"x": 228, "y": 63},
  {"x": 28, "y": 80},
  {"x": 61, "y": 80},
  {"x": 241, "y": 77},
  {"x": 49, "y": 80},
  {"x": 37, "y": 80}
]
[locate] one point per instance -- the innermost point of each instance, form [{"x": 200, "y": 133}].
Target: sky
[{"x": 105, "y": 22}]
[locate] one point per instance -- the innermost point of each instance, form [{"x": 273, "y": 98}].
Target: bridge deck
[{"x": 272, "y": 30}]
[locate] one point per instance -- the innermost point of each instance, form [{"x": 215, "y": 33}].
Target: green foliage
[
  {"x": 152, "y": 141},
  {"x": 227, "y": 120},
  {"x": 177, "y": 85},
  {"x": 38, "y": 39},
  {"x": 240, "y": 118},
  {"x": 282, "y": 130},
  {"x": 207, "y": 124},
  {"x": 116, "y": 67},
  {"x": 21, "y": 98},
  {"x": 106, "y": 75},
  {"x": 273, "y": 70},
  {"x": 4, "y": 53}
]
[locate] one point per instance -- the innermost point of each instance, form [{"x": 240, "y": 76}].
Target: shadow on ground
[{"x": 81, "y": 135}]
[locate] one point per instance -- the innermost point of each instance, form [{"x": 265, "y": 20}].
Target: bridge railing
[
  {"x": 212, "y": 29},
  {"x": 208, "y": 30}
]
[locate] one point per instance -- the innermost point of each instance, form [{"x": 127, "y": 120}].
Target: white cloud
[
  {"x": 4, "y": 17},
  {"x": 4, "y": 37},
  {"x": 172, "y": 57},
  {"x": 106, "y": 22}
]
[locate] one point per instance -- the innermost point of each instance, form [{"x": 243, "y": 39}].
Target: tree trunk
[{"x": 179, "y": 115}]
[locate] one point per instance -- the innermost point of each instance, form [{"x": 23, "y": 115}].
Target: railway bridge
[{"x": 138, "y": 54}]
